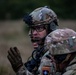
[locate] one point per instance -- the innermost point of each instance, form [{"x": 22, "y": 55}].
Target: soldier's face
[{"x": 37, "y": 34}]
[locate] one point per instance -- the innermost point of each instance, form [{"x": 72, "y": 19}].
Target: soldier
[
  {"x": 61, "y": 44},
  {"x": 41, "y": 22}
]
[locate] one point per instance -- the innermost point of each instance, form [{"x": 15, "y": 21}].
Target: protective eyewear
[{"x": 37, "y": 28}]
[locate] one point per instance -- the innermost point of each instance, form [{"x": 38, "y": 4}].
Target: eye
[{"x": 40, "y": 29}]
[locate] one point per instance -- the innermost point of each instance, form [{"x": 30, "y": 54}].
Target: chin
[{"x": 35, "y": 45}]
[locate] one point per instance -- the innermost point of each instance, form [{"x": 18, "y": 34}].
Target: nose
[{"x": 34, "y": 32}]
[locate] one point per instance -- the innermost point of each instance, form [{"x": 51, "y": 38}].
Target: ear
[{"x": 53, "y": 26}]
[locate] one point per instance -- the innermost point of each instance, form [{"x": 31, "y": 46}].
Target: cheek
[{"x": 43, "y": 34}]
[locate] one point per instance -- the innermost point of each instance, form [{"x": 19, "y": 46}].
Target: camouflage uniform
[
  {"x": 42, "y": 18},
  {"x": 47, "y": 64},
  {"x": 63, "y": 42},
  {"x": 46, "y": 17},
  {"x": 57, "y": 43}
]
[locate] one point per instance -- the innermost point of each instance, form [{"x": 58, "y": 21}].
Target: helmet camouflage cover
[
  {"x": 40, "y": 16},
  {"x": 61, "y": 41}
]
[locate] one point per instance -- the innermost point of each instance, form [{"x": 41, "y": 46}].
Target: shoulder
[
  {"x": 48, "y": 60},
  {"x": 70, "y": 72}
]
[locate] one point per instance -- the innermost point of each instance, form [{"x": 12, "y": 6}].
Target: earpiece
[{"x": 53, "y": 26}]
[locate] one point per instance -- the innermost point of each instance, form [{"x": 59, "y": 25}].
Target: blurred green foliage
[{"x": 15, "y": 9}]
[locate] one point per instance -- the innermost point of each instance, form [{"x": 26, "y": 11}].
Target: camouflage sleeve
[
  {"x": 23, "y": 71},
  {"x": 47, "y": 66},
  {"x": 71, "y": 69},
  {"x": 70, "y": 72}
]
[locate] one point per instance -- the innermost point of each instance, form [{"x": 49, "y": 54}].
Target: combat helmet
[
  {"x": 61, "y": 41},
  {"x": 42, "y": 16}
]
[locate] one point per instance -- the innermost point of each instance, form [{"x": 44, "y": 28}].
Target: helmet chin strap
[{"x": 61, "y": 66}]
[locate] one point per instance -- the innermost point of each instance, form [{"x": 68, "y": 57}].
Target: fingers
[
  {"x": 11, "y": 56},
  {"x": 14, "y": 55},
  {"x": 15, "y": 58},
  {"x": 16, "y": 51},
  {"x": 10, "y": 59}
]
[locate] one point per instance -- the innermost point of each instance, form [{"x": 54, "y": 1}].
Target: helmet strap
[{"x": 65, "y": 62}]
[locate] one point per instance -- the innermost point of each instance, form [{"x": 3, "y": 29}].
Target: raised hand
[{"x": 15, "y": 58}]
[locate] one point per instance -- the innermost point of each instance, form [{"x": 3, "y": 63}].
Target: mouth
[
  {"x": 39, "y": 41},
  {"x": 35, "y": 45},
  {"x": 35, "y": 39}
]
